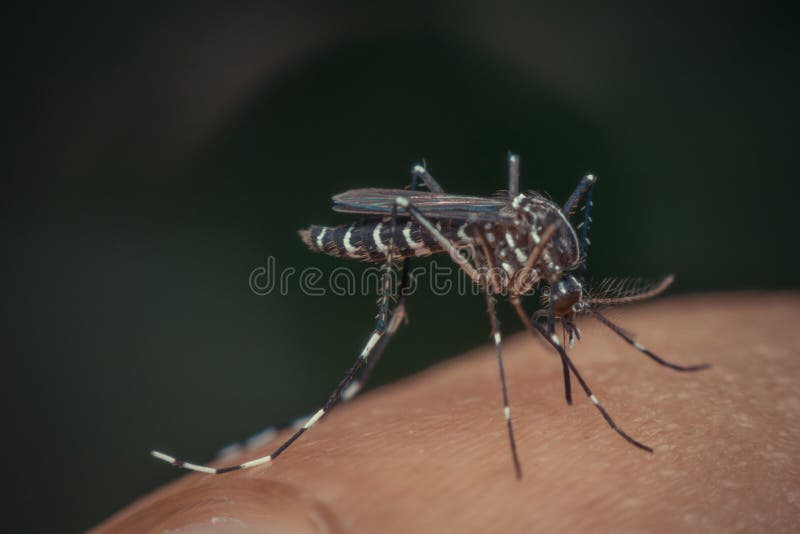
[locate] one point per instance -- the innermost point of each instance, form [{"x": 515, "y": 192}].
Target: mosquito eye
[{"x": 564, "y": 295}]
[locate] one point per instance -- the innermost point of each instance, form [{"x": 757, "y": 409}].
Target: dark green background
[{"x": 157, "y": 156}]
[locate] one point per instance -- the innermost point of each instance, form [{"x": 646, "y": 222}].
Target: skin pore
[{"x": 430, "y": 453}]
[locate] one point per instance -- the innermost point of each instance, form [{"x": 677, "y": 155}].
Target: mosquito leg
[
  {"x": 338, "y": 394},
  {"x": 398, "y": 314},
  {"x": 529, "y": 327},
  {"x": 551, "y": 317},
  {"x": 564, "y": 364},
  {"x": 513, "y": 175},
  {"x": 420, "y": 172},
  {"x": 490, "y": 303},
  {"x": 330, "y": 404},
  {"x": 641, "y": 348},
  {"x": 525, "y": 279},
  {"x": 536, "y": 253},
  {"x": 554, "y": 341},
  {"x": 583, "y": 187},
  {"x": 492, "y": 274},
  {"x": 388, "y": 272},
  {"x": 571, "y": 332},
  {"x": 357, "y": 385},
  {"x": 449, "y": 247},
  {"x": 584, "y": 228}
]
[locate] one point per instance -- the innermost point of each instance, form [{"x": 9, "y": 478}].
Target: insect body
[
  {"x": 520, "y": 243},
  {"x": 507, "y": 232}
]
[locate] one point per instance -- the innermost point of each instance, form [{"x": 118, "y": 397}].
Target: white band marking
[
  {"x": 407, "y": 235},
  {"x": 351, "y": 391},
  {"x": 257, "y": 461},
  {"x": 321, "y": 236},
  {"x": 161, "y": 456},
  {"x": 314, "y": 418},
  {"x": 370, "y": 345},
  {"x": 376, "y": 237},
  {"x": 462, "y": 234},
  {"x": 186, "y": 465},
  {"x": 397, "y": 318},
  {"x": 348, "y": 246},
  {"x": 199, "y": 468}
]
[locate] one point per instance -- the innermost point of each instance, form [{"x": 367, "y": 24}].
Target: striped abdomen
[{"x": 370, "y": 239}]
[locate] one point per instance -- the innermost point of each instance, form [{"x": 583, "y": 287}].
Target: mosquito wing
[{"x": 432, "y": 205}]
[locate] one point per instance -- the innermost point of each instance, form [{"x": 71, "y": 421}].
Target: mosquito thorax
[{"x": 538, "y": 212}]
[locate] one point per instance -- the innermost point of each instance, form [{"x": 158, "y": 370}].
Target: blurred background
[{"x": 156, "y": 156}]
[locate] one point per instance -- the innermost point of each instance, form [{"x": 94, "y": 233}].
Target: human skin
[{"x": 430, "y": 453}]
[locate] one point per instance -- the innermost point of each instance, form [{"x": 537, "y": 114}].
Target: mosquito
[{"x": 519, "y": 244}]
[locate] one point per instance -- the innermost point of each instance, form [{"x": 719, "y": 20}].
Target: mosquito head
[{"x": 566, "y": 296}]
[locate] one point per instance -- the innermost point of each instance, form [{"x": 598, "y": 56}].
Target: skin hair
[{"x": 430, "y": 454}]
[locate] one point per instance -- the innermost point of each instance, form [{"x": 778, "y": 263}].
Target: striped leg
[
  {"x": 386, "y": 286},
  {"x": 493, "y": 280},
  {"x": 398, "y": 314},
  {"x": 564, "y": 364},
  {"x": 421, "y": 173},
  {"x": 584, "y": 228},
  {"x": 330, "y": 404},
  {"x": 529, "y": 327},
  {"x": 446, "y": 244},
  {"x": 418, "y": 172},
  {"x": 553, "y": 340},
  {"x": 641, "y": 348},
  {"x": 524, "y": 280},
  {"x": 342, "y": 391},
  {"x": 347, "y": 388},
  {"x": 583, "y": 187},
  {"x": 536, "y": 253},
  {"x": 490, "y": 303}
]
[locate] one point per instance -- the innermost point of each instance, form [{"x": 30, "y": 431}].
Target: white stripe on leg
[
  {"x": 314, "y": 418},
  {"x": 257, "y": 461},
  {"x": 373, "y": 340}
]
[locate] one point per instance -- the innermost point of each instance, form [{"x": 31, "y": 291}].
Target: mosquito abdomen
[{"x": 371, "y": 239}]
